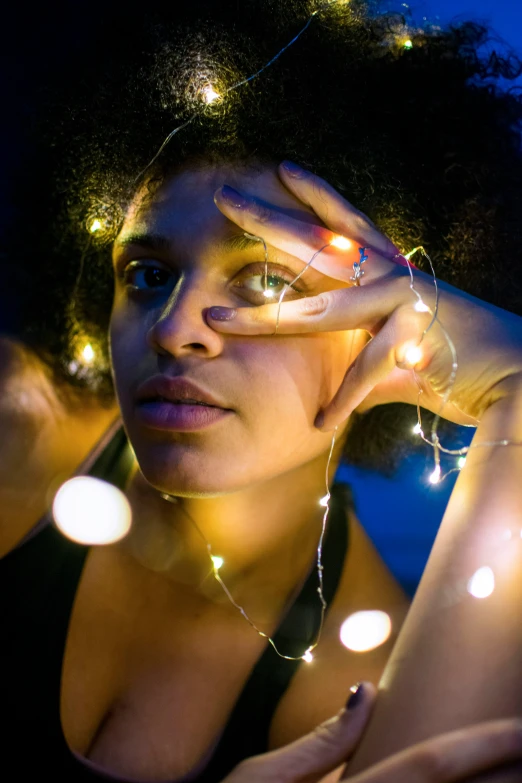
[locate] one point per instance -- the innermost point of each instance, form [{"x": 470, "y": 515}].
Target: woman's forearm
[{"x": 458, "y": 659}]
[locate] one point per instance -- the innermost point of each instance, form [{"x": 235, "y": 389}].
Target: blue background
[{"x": 413, "y": 508}]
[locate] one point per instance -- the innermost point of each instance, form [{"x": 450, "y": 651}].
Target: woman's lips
[{"x": 178, "y": 416}]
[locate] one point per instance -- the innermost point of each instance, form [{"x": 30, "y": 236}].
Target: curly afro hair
[{"x": 415, "y": 126}]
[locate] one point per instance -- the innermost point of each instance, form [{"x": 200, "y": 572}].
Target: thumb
[{"x": 317, "y": 753}]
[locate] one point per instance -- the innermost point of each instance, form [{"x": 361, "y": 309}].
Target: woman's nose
[{"x": 180, "y": 329}]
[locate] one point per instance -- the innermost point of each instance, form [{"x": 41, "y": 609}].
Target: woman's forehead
[{"x": 188, "y": 199}]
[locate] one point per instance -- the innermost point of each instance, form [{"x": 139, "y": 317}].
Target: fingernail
[
  {"x": 292, "y": 168},
  {"x": 356, "y": 696},
  {"x": 232, "y": 197},
  {"x": 222, "y": 313},
  {"x": 319, "y": 420}
]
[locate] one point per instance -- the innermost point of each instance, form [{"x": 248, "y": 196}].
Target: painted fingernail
[
  {"x": 319, "y": 420},
  {"x": 292, "y": 168},
  {"x": 356, "y": 696},
  {"x": 222, "y": 313},
  {"x": 232, "y": 197}
]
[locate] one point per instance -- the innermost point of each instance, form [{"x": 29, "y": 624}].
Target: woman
[{"x": 146, "y": 660}]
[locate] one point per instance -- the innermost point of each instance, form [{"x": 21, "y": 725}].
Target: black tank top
[{"x": 38, "y": 583}]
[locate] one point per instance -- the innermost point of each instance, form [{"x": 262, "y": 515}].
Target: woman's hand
[
  {"x": 444, "y": 759},
  {"x": 487, "y": 340}
]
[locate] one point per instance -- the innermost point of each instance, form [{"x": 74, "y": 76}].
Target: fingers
[
  {"x": 379, "y": 357},
  {"x": 451, "y": 757},
  {"x": 342, "y": 309},
  {"x": 337, "y": 213},
  {"x": 299, "y": 238},
  {"x": 314, "y": 755}
]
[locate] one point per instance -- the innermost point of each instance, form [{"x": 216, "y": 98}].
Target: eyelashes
[{"x": 256, "y": 283}]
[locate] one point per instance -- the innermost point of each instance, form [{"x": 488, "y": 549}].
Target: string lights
[{"x": 218, "y": 562}]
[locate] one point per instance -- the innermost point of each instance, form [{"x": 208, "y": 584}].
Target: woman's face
[{"x": 175, "y": 257}]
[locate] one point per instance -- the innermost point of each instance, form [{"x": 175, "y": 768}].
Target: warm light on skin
[
  {"x": 217, "y": 561},
  {"x": 308, "y": 657},
  {"x": 364, "y": 631},
  {"x": 91, "y": 511},
  {"x": 420, "y": 307},
  {"x": 95, "y": 226},
  {"x": 482, "y": 583},
  {"x": 88, "y": 353},
  {"x": 209, "y": 94},
  {"x": 341, "y": 242},
  {"x": 413, "y": 355}
]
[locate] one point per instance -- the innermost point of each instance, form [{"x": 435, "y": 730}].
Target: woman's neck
[{"x": 267, "y": 534}]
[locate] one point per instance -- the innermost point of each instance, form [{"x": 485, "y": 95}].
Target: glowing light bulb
[
  {"x": 307, "y": 656},
  {"x": 482, "y": 583},
  {"x": 91, "y": 511},
  {"x": 88, "y": 353},
  {"x": 421, "y": 307},
  {"x": 363, "y": 631},
  {"x": 461, "y": 462},
  {"x": 209, "y": 94},
  {"x": 324, "y": 501},
  {"x": 268, "y": 293},
  {"x": 417, "y": 429},
  {"x": 413, "y": 355},
  {"x": 95, "y": 226},
  {"x": 408, "y": 44},
  {"x": 341, "y": 242},
  {"x": 217, "y": 561},
  {"x": 435, "y": 476}
]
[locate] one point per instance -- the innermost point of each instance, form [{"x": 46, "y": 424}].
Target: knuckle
[
  {"x": 315, "y": 305},
  {"x": 430, "y": 764},
  {"x": 362, "y": 223},
  {"x": 261, "y": 213}
]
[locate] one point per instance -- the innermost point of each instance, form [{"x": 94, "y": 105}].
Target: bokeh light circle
[
  {"x": 91, "y": 511},
  {"x": 364, "y": 631}
]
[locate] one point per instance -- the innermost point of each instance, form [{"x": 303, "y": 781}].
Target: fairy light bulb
[
  {"x": 88, "y": 353},
  {"x": 209, "y": 94},
  {"x": 308, "y": 657},
  {"x": 435, "y": 476},
  {"x": 364, "y": 631},
  {"x": 482, "y": 583},
  {"x": 413, "y": 355},
  {"x": 268, "y": 293},
  {"x": 421, "y": 307},
  {"x": 217, "y": 562},
  {"x": 324, "y": 501},
  {"x": 91, "y": 511},
  {"x": 95, "y": 226},
  {"x": 341, "y": 242},
  {"x": 461, "y": 462},
  {"x": 417, "y": 430},
  {"x": 408, "y": 44}
]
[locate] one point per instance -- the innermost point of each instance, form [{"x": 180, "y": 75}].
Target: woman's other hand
[
  {"x": 487, "y": 340},
  {"x": 320, "y": 755}
]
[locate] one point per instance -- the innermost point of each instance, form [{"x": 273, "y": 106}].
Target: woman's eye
[
  {"x": 263, "y": 287},
  {"x": 146, "y": 277}
]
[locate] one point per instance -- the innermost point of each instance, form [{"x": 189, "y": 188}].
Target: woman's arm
[{"x": 458, "y": 658}]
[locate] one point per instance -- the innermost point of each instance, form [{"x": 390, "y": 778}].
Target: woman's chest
[{"x": 149, "y": 681}]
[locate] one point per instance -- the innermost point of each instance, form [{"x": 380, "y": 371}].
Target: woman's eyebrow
[
  {"x": 150, "y": 241},
  {"x": 238, "y": 242}
]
